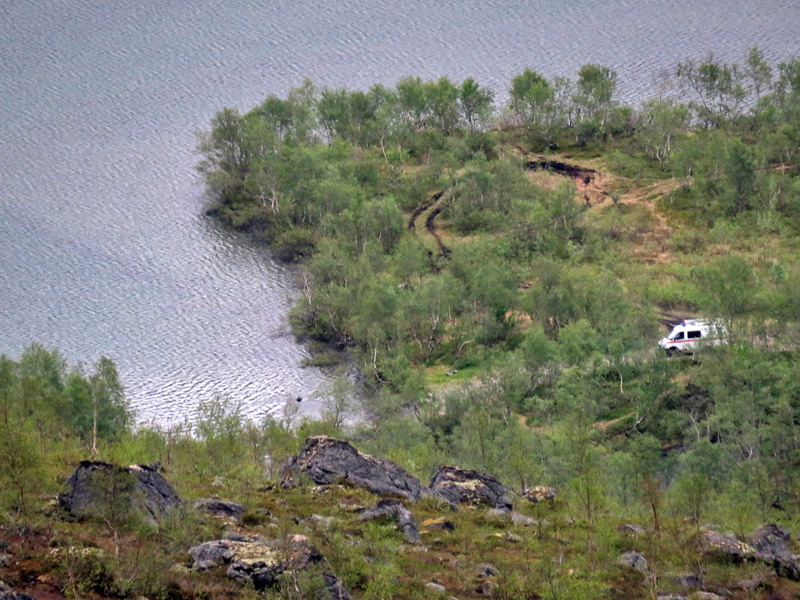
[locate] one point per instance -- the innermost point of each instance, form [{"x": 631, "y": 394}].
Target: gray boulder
[
  {"x": 635, "y": 561},
  {"x": 484, "y": 575},
  {"x": 465, "y": 486},
  {"x": 510, "y": 536},
  {"x": 321, "y": 521},
  {"x": 436, "y": 588},
  {"x": 15, "y": 596},
  {"x": 772, "y": 539},
  {"x": 689, "y": 581},
  {"x": 397, "y": 511},
  {"x": 219, "y": 552},
  {"x": 221, "y": 508},
  {"x": 261, "y": 562},
  {"x": 725, "y": 546},
  {"x": 440, "y": 523},
  {"x": 771, "y": 543},
  {"x": 326, "y": 460},
  {"x": 487, "y": 588},
  {"x": 521, "y": 520},
  {"x": 498, "y": 514},
  {"x": 97, "y": 488},
  {"x": 540, "y": 493},
  {"x": 485, "y": 570},
  {"x": 336, "y": 590}
]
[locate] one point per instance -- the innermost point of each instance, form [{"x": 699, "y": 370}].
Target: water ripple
[{"x": 105, "y": 250}]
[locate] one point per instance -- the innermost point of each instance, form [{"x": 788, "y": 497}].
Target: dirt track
[
  {"x": 599, "y": 190},
  {"x": 436, "y": 205}
]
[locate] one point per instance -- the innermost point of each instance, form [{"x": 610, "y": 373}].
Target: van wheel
[{"x": 671, "y": 352}]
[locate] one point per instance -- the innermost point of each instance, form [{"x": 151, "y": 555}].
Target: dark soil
[
  {"x": 562, "y": 168},
  {"x": 429, "y": 222},
  {"x": 422, "y": 208},
  {"x": 432, "y": 230}
]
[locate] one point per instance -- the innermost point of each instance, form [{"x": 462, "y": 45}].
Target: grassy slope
[
  {"x": 654, "y": 247},
  {"x": 562, "y": 557}
]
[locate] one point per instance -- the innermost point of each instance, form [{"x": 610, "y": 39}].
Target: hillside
[
  {"x": 500, "y": 278},
  {"x": 322, "y": 534}
]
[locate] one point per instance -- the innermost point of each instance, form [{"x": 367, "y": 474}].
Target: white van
[{"x": 690, "y": 334}]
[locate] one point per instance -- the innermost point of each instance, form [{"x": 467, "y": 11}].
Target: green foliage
[
  {"x": 44, "y": 406},
  {"x": 89, "y": 572},
  {"x": 594, "y": 102},
  {"x": 691, "y": 495},
  {"x": 542, "y": 310},
  {"x": 727, "y": 288},
  {"x": 475, "y": 102},
  {"x": 117, "y": 502},
  {"x": 485, "y": 196},
  {"x": 716, "y": 88},
  {"x": 531, "y": 100},
  {"x": 337, "y": 402},
  {"x": 740, "y": 172},
  {"x": 22, "y": 473},
  {"x": 551, "y": 226},
  {"x": 219, "y": 427},
  {"x": 660, "y": 125}
]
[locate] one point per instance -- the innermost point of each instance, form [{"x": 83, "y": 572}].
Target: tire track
[{"x": 436, "y": 202}]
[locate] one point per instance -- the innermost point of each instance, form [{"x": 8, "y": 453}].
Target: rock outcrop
[
  {"x": 221, "y": 508},
  {"x": 771, "y": 543},
  {"x": 441, "y": 523},
  {"x": 521, "y": 520},
  {"x": 326, "y": 460},
  {"x": 97, "y": 488},
  {"x": 435, "y": 588},
  {"x": 260, "y": 561},
  {"x": 465, "y": 486},
  {"x": 397, "y": 511},
  {"x": 724, "y": 546},
  {"x": 689, "y": 581},
  {"x": 15, "y": 596},
  {"x": 540, "y": 493},
  {"x": 635, "y": 561},
  {"x": 485, "y": 579}
]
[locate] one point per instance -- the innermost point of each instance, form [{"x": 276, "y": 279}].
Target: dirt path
[
  {"x": 423, "y": 206},
  {"x": 599, "y": 190},
  {"x": 587, "y": 180},
  {"x": 433, "y": 206},
  {"x": 596, "y": 189},
  {"x": 562, "y": 168},
  {"x": 604, "y": 425}
]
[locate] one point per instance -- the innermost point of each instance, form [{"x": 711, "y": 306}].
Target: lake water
[{"x": 103, "y": 246}]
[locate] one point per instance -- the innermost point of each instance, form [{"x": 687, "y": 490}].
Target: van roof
[{"x": 698, "y": 323}]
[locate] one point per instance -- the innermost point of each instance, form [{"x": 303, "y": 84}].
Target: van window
[
  {"x": 693, "y": 335},
  {"x": 678, "y": 336}
]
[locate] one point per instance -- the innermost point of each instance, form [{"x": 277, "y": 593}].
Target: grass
[
  {"x": 442, "y": 375},
  {"x": 560, "y": 555}
]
